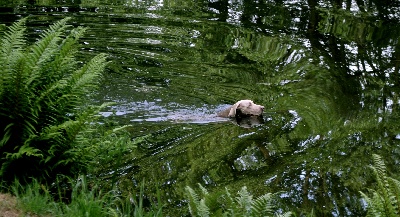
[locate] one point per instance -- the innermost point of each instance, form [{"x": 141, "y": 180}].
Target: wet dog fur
[{"x": 242, "y": 108}]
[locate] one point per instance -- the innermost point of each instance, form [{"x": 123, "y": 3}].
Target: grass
[
  {"x": 86, "y": 200},
  {"x": 33, "y": 199}
]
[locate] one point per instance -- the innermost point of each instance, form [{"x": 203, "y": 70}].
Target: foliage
[
  {"x": 384, "y": 201},
  {"x": 36, "y": 199},
  {"x": 316, "y": 153},
  {"x": 33, "y": 198},
  {"x": 242, "y": 205},
  {"x": 42, "y": 93},
  {"x": 86, "y": 200},
  {"x": 134, "y": 206},
  {"x": 111, "y": 147}
]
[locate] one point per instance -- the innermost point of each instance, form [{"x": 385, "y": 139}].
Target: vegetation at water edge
[
  {"x": 43, "y": 110},
  {"x": 48, "y": 124}
]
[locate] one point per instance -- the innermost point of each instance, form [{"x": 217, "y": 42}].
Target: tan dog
[{"x": 242, "y": 108}]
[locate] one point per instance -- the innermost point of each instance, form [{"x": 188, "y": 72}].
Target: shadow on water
[{"x": 326, "y": 71}]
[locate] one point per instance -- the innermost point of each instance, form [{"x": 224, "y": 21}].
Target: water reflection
[
  {"x": 158, "y": 111},
  {"x": 327, "y": 73}
]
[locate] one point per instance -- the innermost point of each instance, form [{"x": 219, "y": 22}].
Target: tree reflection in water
[{"x": 327, "y": 72}]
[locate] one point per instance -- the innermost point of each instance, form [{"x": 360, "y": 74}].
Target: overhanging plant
[{"x": 43, "y": 97}]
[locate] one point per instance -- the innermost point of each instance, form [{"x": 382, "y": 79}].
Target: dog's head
[{"x": 246, "y": 108}]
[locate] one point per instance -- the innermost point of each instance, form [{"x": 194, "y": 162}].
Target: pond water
[{"x": 327, "y": 73}]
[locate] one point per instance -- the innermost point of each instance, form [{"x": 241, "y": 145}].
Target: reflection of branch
[
  {"x": 360, "y": 5},
  {"x": 370, "y": 62},
  {"x": 396, "y": 62},
  {"x": 263, "y": 150},
  {"x": 360, "y": 56},
  {"x": 335, "y": 54}
]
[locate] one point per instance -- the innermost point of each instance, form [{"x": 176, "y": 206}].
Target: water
[{"x": 328, "y": 79}]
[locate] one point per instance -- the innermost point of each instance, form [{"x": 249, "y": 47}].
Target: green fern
[
  {"x": 11, "y": 51},
  {"x": 385, "y": 199},
  {"x": 42, "y": 98},
  {"x": 263, "y": 206},
  {"x": 242, "y": 205},
  {"x": 244, "y": 201},
  {"x": 197, "y": 206}
]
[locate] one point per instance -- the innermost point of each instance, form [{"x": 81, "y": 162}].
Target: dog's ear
[{"x": 232, "y": 112}]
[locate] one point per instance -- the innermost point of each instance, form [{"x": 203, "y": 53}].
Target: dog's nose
[{"x": 262, "y": 108}]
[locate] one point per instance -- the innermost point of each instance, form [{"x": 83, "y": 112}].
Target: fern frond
[
  {"x": 244, "y": 200},
  {"x": 81, "y": 82},
  {"x": 64, "y": 62},
  {"x": 11, "y": 46},
  {"x": 202, "y": 209},
  {"x": 230, "y": 203},
  {"x": 395, "y": 188},
  {"x": 193, "y": 200},
  {"x": 7, "y": 134},
  {"x": 229, "y": 196},
  {"x": 203, "y": 189},
  {"x": 386, "y": 196},
  {"x": 56, "y": 27},
  {"x": 44, "y": 51},
  {"x": 368, "y": 201},
  {"x": 79, "y": 125},
  {"x": 49, "y": 94},
  {"x": 11, "y": 53},
  {"x": 377, "y": 204},
  {"x": 197, "y": 206},
  {"x": 242, "y": 205},
  {"x": 25, "y": 150},
  {"x": 286, "y": 214},
  {"x": 87, "y": 74},
  {"x": 262, "y": 206},
  {"x": 379, "y": 165},
  {"x": 384, "y": 200}
]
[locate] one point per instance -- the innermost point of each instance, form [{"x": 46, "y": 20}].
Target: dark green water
[{"x": 326, "y": 71}]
